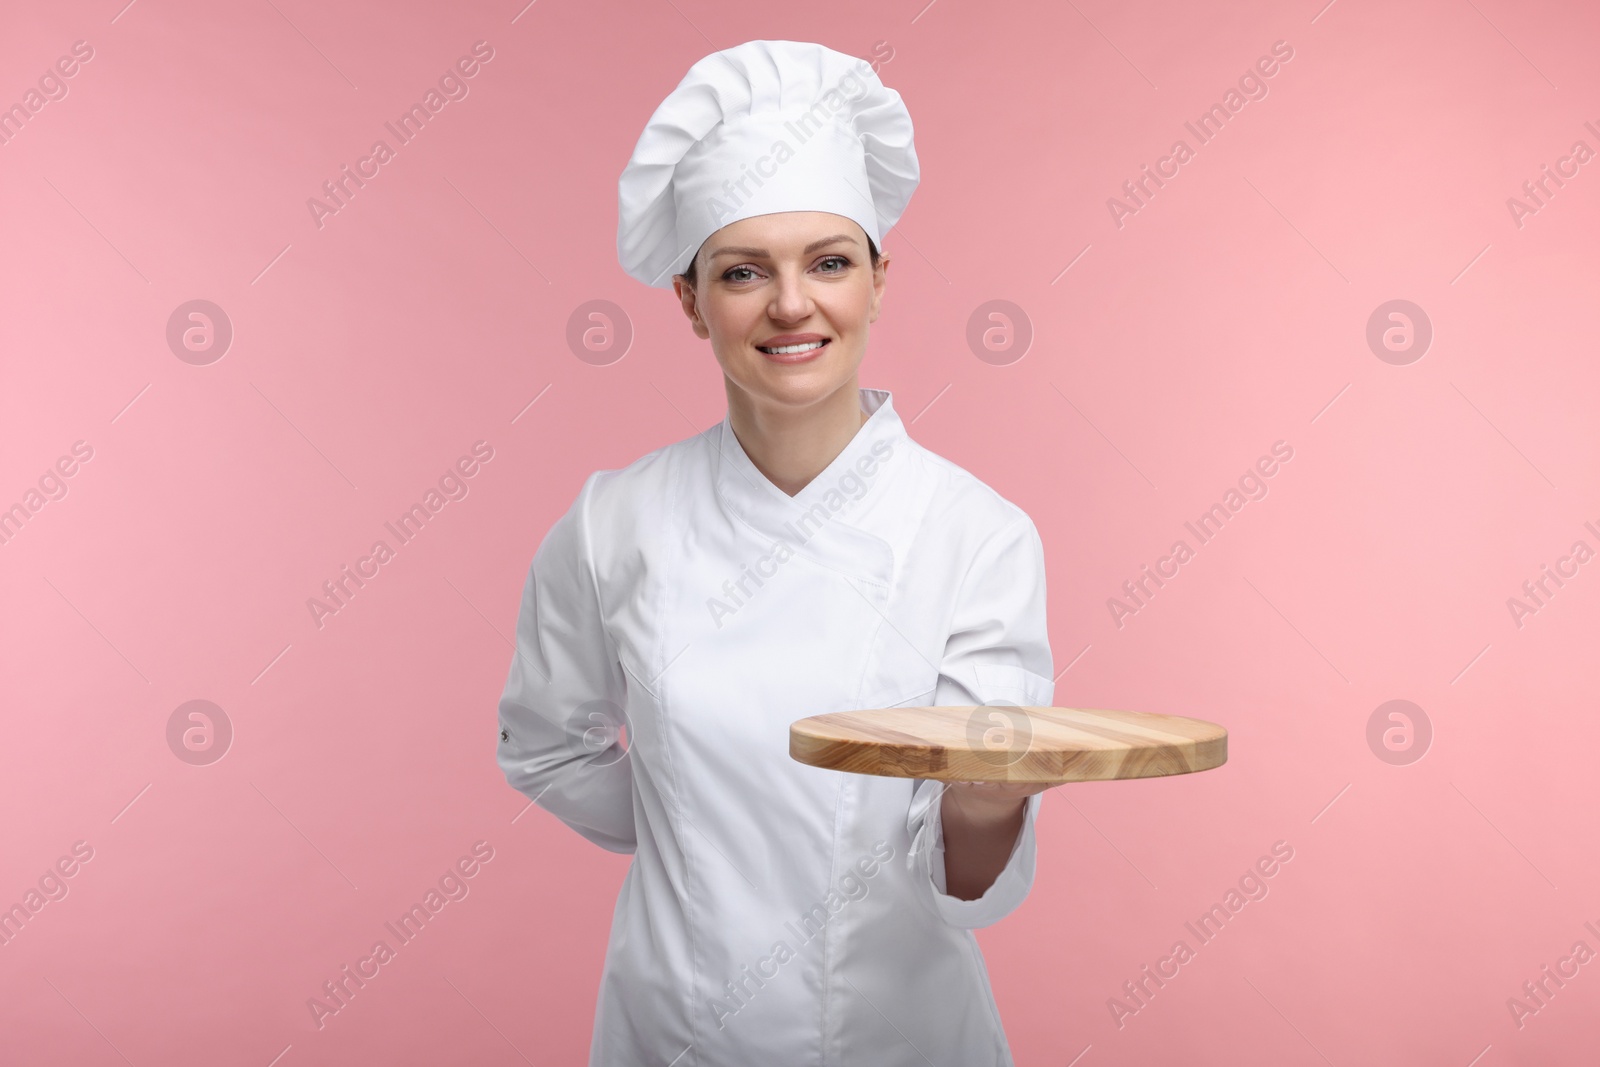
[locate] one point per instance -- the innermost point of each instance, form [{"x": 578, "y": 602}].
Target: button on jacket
[{"x": 674, "y": 622}]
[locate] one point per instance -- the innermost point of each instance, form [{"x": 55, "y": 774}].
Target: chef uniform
[{"x": 684, "y": 611}]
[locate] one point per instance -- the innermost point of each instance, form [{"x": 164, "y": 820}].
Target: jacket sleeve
[
  {"x": 564, "y": 733},
  {"x": 998, "y": 654}
]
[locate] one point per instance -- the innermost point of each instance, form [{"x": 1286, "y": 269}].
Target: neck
[{"x": 790, "y": 445}]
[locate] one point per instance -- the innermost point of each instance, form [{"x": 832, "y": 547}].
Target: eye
[
  {"x": 728, "y": 275},
  {"x": 844, "y": 264}
]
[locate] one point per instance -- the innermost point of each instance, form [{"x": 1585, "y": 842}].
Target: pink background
[{"x": 368, "y": 354}]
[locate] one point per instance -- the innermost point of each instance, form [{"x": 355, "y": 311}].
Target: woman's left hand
[
  {"x": 1002, "y": 798},
  {"x": 981, "y": 823}
]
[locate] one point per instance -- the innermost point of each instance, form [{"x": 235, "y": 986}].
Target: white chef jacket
[{"x": 674, "y": 622}]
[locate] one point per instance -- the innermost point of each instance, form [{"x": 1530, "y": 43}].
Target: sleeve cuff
[{"x": 926, "y": 860}]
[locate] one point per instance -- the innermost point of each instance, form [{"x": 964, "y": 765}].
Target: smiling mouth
[{"x": 789, "y": 350}]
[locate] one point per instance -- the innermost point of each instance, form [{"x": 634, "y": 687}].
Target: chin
[
  {"x": 796, "y": 384},
  {"x": 795, "y": 390}
]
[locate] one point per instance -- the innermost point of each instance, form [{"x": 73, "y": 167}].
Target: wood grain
[{"x": 1008, "y": 744}]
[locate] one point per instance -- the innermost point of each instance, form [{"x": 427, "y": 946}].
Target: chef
[{"x": 803, "y": 556}]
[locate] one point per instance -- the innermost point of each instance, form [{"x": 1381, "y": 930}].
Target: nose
[{"x": 791, "y": 302}]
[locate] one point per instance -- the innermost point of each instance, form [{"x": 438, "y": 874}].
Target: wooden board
[{"x": 1008, "y": 744}]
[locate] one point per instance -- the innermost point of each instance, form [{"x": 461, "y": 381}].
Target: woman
[{"x": 804, "y": 556}]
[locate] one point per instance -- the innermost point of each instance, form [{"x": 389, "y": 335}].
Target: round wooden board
[{"x": 1008, "y": 744}]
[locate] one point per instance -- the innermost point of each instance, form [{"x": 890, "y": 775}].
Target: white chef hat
[{"x": 762, "y": 127}]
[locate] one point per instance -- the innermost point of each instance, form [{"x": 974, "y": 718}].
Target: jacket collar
[{"x": 849, "y": 518}]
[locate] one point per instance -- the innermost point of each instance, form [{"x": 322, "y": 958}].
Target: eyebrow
[{"x": 762, "y": 252}]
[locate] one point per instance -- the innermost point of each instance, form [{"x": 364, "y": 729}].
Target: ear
[
  {"x": 691, "y": 306},
  {"x": 879, "y": 280}
]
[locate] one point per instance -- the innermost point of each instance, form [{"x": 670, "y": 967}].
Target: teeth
[{"x": 785, "y": 350}]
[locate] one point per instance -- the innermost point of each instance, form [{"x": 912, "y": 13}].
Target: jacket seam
[
  {"x": 973, "y": 562},
  {"x": 691, "y": 921},
  {"x": 594, "y": 581}
]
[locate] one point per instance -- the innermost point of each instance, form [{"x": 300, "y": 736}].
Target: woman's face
[{"x": 780, "y": 280}]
